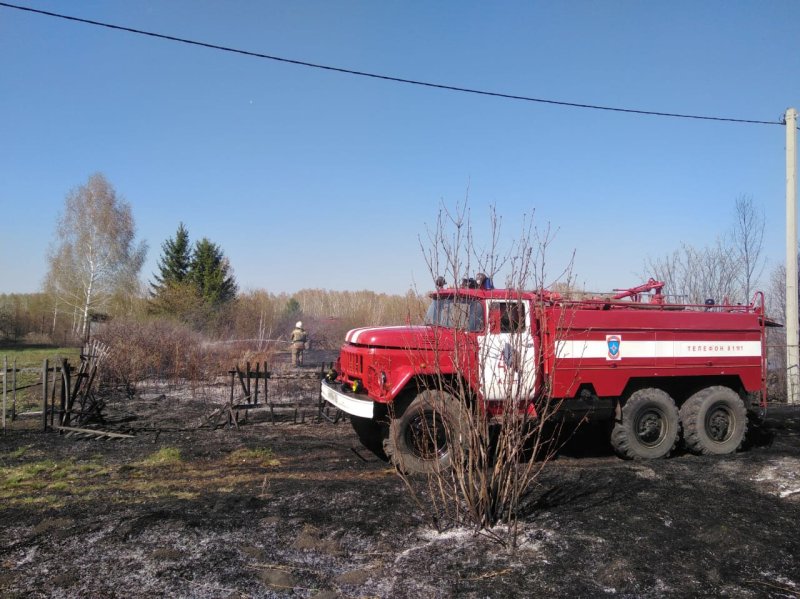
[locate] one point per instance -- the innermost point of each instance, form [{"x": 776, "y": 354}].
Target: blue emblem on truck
[{"x": 614, "y": 342}]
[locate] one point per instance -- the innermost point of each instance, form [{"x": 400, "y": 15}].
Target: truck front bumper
[{"x": 347, "y": 402}]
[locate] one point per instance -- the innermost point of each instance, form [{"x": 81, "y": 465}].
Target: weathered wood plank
[{"x": 95, "y": 432}]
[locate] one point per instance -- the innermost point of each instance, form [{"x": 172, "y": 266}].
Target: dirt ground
[{"x": 291, "y": 506}]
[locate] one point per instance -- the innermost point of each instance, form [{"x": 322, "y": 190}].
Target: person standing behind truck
[{"x": 299, "y": 338}]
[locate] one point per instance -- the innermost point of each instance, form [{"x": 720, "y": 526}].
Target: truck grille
[{"x": 352, "y": 364}]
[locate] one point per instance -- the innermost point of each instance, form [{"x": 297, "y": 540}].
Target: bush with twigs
[
  {"x": 493, "y": 458},
  {"x": 160, "y": 350}
]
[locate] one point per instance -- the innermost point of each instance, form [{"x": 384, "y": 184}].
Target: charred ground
[{"x": 298, "y": 509}]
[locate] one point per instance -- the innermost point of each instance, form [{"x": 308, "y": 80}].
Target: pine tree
[
  {"x": 210, "y": 271},
  {"x": 292, "y": 307},
  {"x": 173, "y": 267}
]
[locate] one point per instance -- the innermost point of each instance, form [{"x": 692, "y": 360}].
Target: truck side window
[
  {"x": 476, "y": 318},
  {"x": 512, "y": 318}
]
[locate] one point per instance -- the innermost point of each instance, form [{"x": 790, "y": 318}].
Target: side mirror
[{"x": 495, "y": 317}]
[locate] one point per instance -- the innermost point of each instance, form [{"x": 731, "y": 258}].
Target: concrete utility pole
[{"x": 792, "y": 347}]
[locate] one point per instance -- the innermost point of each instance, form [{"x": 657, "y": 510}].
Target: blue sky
[{"x": 313, "y": 179}]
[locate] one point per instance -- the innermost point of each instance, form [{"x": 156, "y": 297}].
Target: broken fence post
[
  {"x": 44, "y": 394},
  {"x": 5, "y": 387},
  {"x": 14, "y": 392}
]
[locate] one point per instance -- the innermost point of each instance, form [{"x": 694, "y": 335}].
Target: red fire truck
[{"x": 659, "y": 372}]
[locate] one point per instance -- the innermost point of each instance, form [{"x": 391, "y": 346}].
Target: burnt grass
[{"x": 292, "y": 506}]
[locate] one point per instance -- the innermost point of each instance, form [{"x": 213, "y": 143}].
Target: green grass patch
[
  {"x": 32, "y": 483},
  {"x": 18, "y": 452},
  {"x": 165, "y": 456},
  {"x": 46, "y": 470},
  {"x": 36, "y": 468},
  {"x": 45, "y": 483},
  {"x": 41, "y": 500},
  {"x": 34, "y": 357},
  {"x": 261, "y": 456}
]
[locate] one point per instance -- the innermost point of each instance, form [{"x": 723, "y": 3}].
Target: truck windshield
[{"x": 456, "y": 313}]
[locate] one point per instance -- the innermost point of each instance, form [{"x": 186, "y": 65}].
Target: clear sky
[{"x": 315, "y": 179}]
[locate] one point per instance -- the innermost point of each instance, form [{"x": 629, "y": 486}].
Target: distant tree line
[
  {"x": 259, "y": 316},
  {"x": 32, "y": 316}
]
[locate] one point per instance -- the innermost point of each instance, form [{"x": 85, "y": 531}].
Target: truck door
[{"x": 507, "y": 352}]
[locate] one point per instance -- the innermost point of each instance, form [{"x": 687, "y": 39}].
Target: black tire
[
  {"x": 714, "y": 421},
  {"x": 649, "y": 428},
  {"x": 370, "y": 433},
  {"x": 421, "y": 436}
]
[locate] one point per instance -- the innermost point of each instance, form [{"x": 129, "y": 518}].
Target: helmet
[{"x": 299, "y": 325}]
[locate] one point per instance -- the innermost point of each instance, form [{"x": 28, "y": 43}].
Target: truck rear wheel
[
  {"x": 370, "y": 433},
  {"x": 421, "y": 438},
  {"x": 649, "y": 427},
  {"x": 714, "y": 421}
]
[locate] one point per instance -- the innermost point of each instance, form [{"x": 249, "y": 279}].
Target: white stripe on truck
[{"x": 705, "y": 348}]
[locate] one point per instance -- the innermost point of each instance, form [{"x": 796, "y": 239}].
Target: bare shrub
[
  {"x": 498, "y": 441},
  {"x": 40, "y": 339},
  {"x": 163, "y": 351},
  {"x": 155, "y": 349}
]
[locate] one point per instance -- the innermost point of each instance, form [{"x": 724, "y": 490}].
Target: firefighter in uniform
[{"x": 298, "y": 342}]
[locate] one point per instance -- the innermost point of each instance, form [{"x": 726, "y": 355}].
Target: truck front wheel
[
  {"x": 649, "y": 427},
  {"x": 714, "y": 421},
  {"x": 422, "y": 438}
]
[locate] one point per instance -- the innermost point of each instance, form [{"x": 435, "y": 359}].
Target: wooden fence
[
  {"x": 66, "y": 399},
  {"x": 67, "y": 396},
  {"x": 248, "y": 393},
  {"x": 11, "y": 389}
]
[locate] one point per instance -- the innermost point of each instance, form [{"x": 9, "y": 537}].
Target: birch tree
[{"x": 94, "y": 255}]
